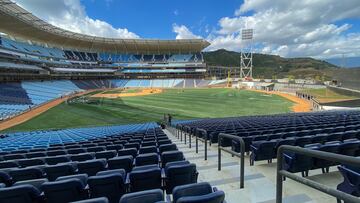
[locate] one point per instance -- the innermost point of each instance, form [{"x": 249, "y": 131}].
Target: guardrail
[
  {"x": 281, "y": 174},
  {"x": 203, "y": 139},
  {"x": 241, "y": 155}
]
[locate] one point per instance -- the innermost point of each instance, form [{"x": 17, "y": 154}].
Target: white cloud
[
  {"x": 71, "y": 15},
  {"x": 292, "y": 28},
  {"x": 182, "y": 32}
]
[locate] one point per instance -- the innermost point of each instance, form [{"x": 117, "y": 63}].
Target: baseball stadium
[{"x": 93, "y": 119}]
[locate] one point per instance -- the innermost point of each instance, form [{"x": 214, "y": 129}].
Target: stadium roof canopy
[{"x": 19, "y": 23}]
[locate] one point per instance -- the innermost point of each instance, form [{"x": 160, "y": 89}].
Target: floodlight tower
[{"x": 246, "y": 57}]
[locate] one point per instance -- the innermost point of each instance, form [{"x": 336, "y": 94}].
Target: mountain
[
  {"x": 270, "y": 66},
  {"x": 346, "y": 62}
]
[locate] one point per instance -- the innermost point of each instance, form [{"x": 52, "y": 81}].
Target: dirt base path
[
  {"x": 300, "y": 105},
  {"x": 35, "y": 112},
  {"x": 143, "y": 92}
]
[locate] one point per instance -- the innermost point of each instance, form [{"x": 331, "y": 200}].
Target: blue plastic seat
[
  {"x": 94, "y": 200},
  {"x": 57, "y": 159},
  {"x": 121, "y": 162},
  {"x": 325, "y": 164},
  {"x": 170, "y": 156},
  {"x": 262, "y": 150},
  {"x": 81, "y": 177},
  {"x": 179, "y": 174},
  {"x": 128, "y": 151},
  {"x": 111, "y": 186},
  {"x": 55, "y": 171},
  {"x": 82, "y": 157},
  {"x": 25, "y": 174},
  {"x": 148, "y": 149},
  {"x": 20, "y": 194},
  {"x": 76, "y": 151},
  {"x": 145, "y": 178},
  {"x": 91, "y": 167},
  {"x": 167, "y": 147},
  {"x": 198, "y": 192},
  {"x": 64, "y": 191},
  {"x": 147, "y": 159},
  {"x": 351, "y": 183},
  {"x": 31, "y": 162},
  {"x": 148, "y": 196},
  {"x": 35, "y": 155},
  {"x": 105, "y": 154}
]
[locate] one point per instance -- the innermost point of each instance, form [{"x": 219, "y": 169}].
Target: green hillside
[{"x": 269, "y": 66}]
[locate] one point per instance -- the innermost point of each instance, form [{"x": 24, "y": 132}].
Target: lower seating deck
[{"x": 260, "y": 179}]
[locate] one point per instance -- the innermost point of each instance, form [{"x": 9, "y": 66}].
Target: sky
[{"x": 289, "y": 28}]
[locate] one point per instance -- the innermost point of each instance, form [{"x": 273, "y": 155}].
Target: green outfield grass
[{"x": 182, "y": 104}]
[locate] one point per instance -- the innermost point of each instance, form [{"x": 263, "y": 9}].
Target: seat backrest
[
  {"x": 132, "y": 145},
  {"x": 180, "y": 174},
  {"x": 170, "y": 156},
  {"x": 195, "y": 189},
  {"x": 25, "y": 174},
  {"x": 96, "y": 149},
  {"x": 8, "y": 164},
  {"x": 76, "y": 151},
  {"x": 57, "y": 159},
  {"x": 129, "y": 151},
  {"x": 116, "y": 147},
  {"x": 146, "y": 159},
  {"x": 148, "y": 149},
  {"x": 13, "y": 156},
  {"x": 35, "y": 155},
  {"x": 124, "y": 162},
  {"x": 154, "y": 195},
  {"x": 91, "y": 167},
  {"x": 215, "y": 197},
  {"x": 53, "y": 172},
  {"x": 19, "y": 194},
  {"x": 82, "y": 157},
  {"x": 111, "y": 186},
  {"x": 64, "y": 191},
  {"x": 145, "y": 179},
  {"x": 105, "y": 154},
  {"x": 94, "y": 200},
  {"x": 81, "y": 177},
  {"x": 56, "y": 153},
  {"x": 167, "y": 147},
  {"x": 31, "y": 162}
]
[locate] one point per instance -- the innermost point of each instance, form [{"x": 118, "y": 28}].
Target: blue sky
[
  {"x": 289, "y": 28},
  {"x": 155, "y": 18}
]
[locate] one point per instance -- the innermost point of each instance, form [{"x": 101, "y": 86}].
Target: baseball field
[{"x": 181, "y": 103}]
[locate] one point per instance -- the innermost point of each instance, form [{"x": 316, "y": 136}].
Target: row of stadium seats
[
  {"x": 116, "y": 167},
  {"x": 287, "y": 125},
  {"x": 333, "y": 132},
  {"x": 43, "y": 139},
  {"x": 56, "y": 53},
  {"x": 54, "y": 193},
  {"x": 299, "y": 163}
]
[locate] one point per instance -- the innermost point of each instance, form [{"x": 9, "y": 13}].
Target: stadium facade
[{"x": 31, "y": 48}]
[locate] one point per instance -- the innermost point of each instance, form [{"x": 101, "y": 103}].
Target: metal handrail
[
  {"x": 241, "y": 155},
  {"x": 281, "y": 173},
  {"x": 204, "y": 132}
]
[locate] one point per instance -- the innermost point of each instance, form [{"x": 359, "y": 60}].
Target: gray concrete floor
[{"x": 260, "y": 179}]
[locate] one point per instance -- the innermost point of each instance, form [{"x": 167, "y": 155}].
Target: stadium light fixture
[{"x": 246, "y": 56}]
